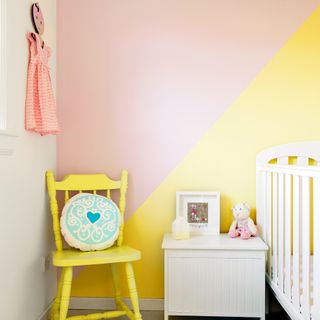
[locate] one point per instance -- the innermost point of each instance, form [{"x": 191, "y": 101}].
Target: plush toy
[{"x": 242, "y": 224}]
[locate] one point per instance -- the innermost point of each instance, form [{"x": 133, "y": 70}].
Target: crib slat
[
  {"x": 316, "y": 249},
  {"x": 296, "y": 243},
  {"x": 264, "y": 197},
  {"x": 262, "y": 204},
  {"x": 302, "y": 161},
  {"x": 306, "y": 247},
  {"x": 280, "y": 229},
  {"x": 275, "y": 229},
  {"x": 287, "y": 284},
  {"x": 269, "y": 222},
  {"x": 283, "y": 160}
]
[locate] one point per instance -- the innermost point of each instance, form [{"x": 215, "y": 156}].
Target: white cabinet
[{"x": 214, "y": 276}]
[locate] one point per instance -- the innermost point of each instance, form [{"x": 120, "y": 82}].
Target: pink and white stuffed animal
[{"x": 242, "y": 224}]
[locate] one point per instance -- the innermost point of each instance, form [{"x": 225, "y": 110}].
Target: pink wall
[{"x": 139, "y": 82}]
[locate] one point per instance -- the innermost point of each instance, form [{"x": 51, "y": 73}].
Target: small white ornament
[{"x": 180, "y": 229}]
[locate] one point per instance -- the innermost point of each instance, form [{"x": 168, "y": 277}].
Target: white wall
[{"x": 25, "y": 222}]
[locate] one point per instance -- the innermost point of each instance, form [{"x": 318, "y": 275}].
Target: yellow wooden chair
[{"x": 69, "y": 258}]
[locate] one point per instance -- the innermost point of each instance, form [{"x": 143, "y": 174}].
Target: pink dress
[{"x": 41, "y": 113}]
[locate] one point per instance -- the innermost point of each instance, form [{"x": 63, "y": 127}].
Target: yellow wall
[{"x": 281, "y": 105}]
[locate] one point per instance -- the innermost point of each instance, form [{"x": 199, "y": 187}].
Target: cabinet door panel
[{"x": 215, "y": 286}]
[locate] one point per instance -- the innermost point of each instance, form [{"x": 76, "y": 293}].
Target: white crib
[{"x": 288, "y": 217}]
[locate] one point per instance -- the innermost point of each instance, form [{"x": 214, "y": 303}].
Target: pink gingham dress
[{"x": 41, "y": 113}]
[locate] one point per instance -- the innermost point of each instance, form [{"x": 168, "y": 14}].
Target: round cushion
[{"x": 90, "y": 222}]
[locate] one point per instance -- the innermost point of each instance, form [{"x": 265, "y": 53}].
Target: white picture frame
[{"x": 201, "y": 209}]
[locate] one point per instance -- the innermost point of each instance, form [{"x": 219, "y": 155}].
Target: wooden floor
[
  {"x": 158, "y": 315},
  {"x": 276, "y": 313}
]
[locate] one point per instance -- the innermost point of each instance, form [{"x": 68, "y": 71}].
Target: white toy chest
[{"x": 210, "y": 275}]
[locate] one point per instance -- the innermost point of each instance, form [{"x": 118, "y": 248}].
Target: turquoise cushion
[{"x": 90, "y": 222}]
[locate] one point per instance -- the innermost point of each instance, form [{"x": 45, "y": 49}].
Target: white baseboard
[
  {"x": 46, "y": 313},
  {"x": 108, "y": 304}
]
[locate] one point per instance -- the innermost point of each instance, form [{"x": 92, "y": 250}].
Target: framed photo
[{"x": 200, "y": 209}]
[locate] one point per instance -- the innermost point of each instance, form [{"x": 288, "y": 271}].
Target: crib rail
[{"x": 288, "y": 217}]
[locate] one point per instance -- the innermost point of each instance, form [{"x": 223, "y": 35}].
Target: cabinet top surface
[{"x": 213, "y": 242}]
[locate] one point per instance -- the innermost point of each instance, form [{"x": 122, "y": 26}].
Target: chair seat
[{"x": 73, "y": 257}]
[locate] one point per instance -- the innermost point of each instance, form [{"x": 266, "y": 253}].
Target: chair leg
[
  {"x": 56, "y": 304},
  {"x": 133, "y": 291},
  {"x": 65, "y": 293},
  {"x": 115, "y": 280}
]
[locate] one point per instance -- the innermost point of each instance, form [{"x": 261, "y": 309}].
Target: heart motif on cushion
[{"x": 93, "y": 217}]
